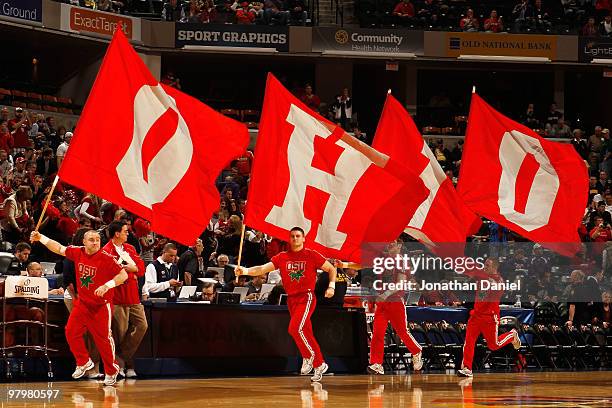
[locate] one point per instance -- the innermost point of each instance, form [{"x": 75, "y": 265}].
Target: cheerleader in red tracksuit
[
  {"x": 298, "y": 269},
  {"x": 484, "y": 318},
  {"x": 390, "y": 308}
]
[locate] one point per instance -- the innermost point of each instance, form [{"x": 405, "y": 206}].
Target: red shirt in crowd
[
  {"x": 20, "y": 136},
  {"x": 312, "y": 101},
  {"x": 244, "y": 16},
  {"x": 298, "y": 269},
  {"x": 493, "y": 24},
  {"x": 604, "y": 235},
  {"x": 6, "y": 142},
  {"x": 127, "y": 293},
  {"x": 67, "y": 225},
  {"x": 243, "y": 163},
  {"x": 404, "y": 9},
  {"x": 92, "y": 271}
]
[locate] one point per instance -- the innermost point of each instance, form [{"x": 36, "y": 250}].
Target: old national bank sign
[
  {"x": 519, "y": 45},
  {"x": 366, "y": 40}
]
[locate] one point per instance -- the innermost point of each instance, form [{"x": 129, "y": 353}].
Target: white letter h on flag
[{"x": 350, "y": 167}]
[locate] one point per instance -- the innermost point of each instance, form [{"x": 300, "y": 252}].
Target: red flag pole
[{"x": 42, "y": 214}]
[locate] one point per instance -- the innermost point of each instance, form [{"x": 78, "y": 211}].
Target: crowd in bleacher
[{"x": 590, "y": 18}]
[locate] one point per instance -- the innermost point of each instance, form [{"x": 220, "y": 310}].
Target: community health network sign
[
  {"x": 367, "y": 40},
  {"x": 28, "y": 10}
]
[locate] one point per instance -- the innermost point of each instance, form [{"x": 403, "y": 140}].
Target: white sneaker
[
  {"x": 110, "y": 379},
  {"x": 130, "y": 373},
  {"x": 465, "y": 372},
  {"x": 417, "y": 361},
  {"x": 121, "y": 373},
  {"x": 306, "y": 366},
  {"x": 319, "y": 371},
  {"x": 81, "y": 370},
  {"x": 376, "y": 369},
  {"x": 516, "y": 342}
]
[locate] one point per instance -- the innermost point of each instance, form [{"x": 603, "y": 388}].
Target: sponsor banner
[
  {"x": 590, "y": 48},
  {"x": 367, "y": 40},
  {"x": 28, "y": 10},
  {"x": 515, "y": 45},
  {"x": 25, "y": 286},
  {"x": 98, "y": 23},
  {"x": 223, "y": 35}
]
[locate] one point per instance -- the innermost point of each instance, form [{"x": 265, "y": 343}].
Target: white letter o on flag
[{"x": 513, "y": 149}]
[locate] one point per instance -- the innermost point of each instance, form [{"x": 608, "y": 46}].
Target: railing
[{"x": 339, "y": 12}]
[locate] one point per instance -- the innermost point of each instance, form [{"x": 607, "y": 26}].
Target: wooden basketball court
[{"x": 536, "y": 389}]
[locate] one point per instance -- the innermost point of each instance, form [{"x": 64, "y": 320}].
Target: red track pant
[
  {"x": 300, "y": 309},
  {"x": 97, "y": 321},
  {"x": 394, "y": 312},
  {"x": 487, "y": 325}
]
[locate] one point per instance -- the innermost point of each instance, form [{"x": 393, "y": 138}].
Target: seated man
[
  {"x": 35, "y": 270},
  {"x": 22, "y": 253},
  {"x": 208, "y": 292},
  {"x": 229, "y": 286},
  {"x": 255, "y": 286}
]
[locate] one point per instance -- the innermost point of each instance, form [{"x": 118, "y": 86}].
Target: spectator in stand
[
  {"x": 469, "y": 22},
  {"x": 90, "y": 208},
  {"x": 310, "y": 99},
  {"x": 589, "y": 29},
  {"x": 244, "y": 14},
  {"x": 494, "y": 23},
  {"x": 6, "y": 167},
  {"x": 559, "y": 129},
  {"x": 600, "y": 211},
  {"x": 541, "y": 17},
  {"x": 224, "y": 13},
  {"x": 230, "y": 240},
  {"x": 404, "y": 12},
  {"x": 257, "y": 8},
  {"x": 63, "y": 149},
  {"x": 553, "y": 115},
  {"x": 529, "y": 118},
  {"x": 173, "y": 10},
  {"x": 194, "y": 14},
  {"x": 16, "y": 220},
  {"x": 297, "y": 12},
  {"x": 580, "y": 144},
  {"x": 4, "y": 114},
  {"x": 207, "y": 11},
  {"x": 605, "y": 27},
  {"x": 191, "y": 264},
  {"x": 46, "y": 165},
  {"x": 577, "y": 296},
  {"x": 603, "y": 183},
  {"x": 6, "y": 138},
  {"x": 274, "y": 14},
  {"x": 522, "y": 13},
  {"x": 602, "y": 232},
  {"x": 342, "y": 108},
  {"x": 595, "y": 141},
  {"x": 19, "y": 127}
]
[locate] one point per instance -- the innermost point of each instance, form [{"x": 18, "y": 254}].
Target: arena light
[
  {"x": 605, "y": 61},
  {"x": 233, "y": 50},
  {"x": 388, "y": 55},
  {"x": 502, "y": 58}
]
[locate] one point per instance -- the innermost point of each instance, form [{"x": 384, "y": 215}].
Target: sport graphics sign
[
  {"x": 367, "y": 40},
  {"x": 590, "y": 48},
  {"x": 249, "y": 36},
  {"x": 25, "y": 286},
  {"x": 29, "y": 10}
]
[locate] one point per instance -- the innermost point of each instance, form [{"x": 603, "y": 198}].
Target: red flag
[
  {"x": 150, "y": 148},
  {"x": 442, "y": 217},
  {"x": 514, "y": 177},
  {"x": 311, "y": 174}
]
